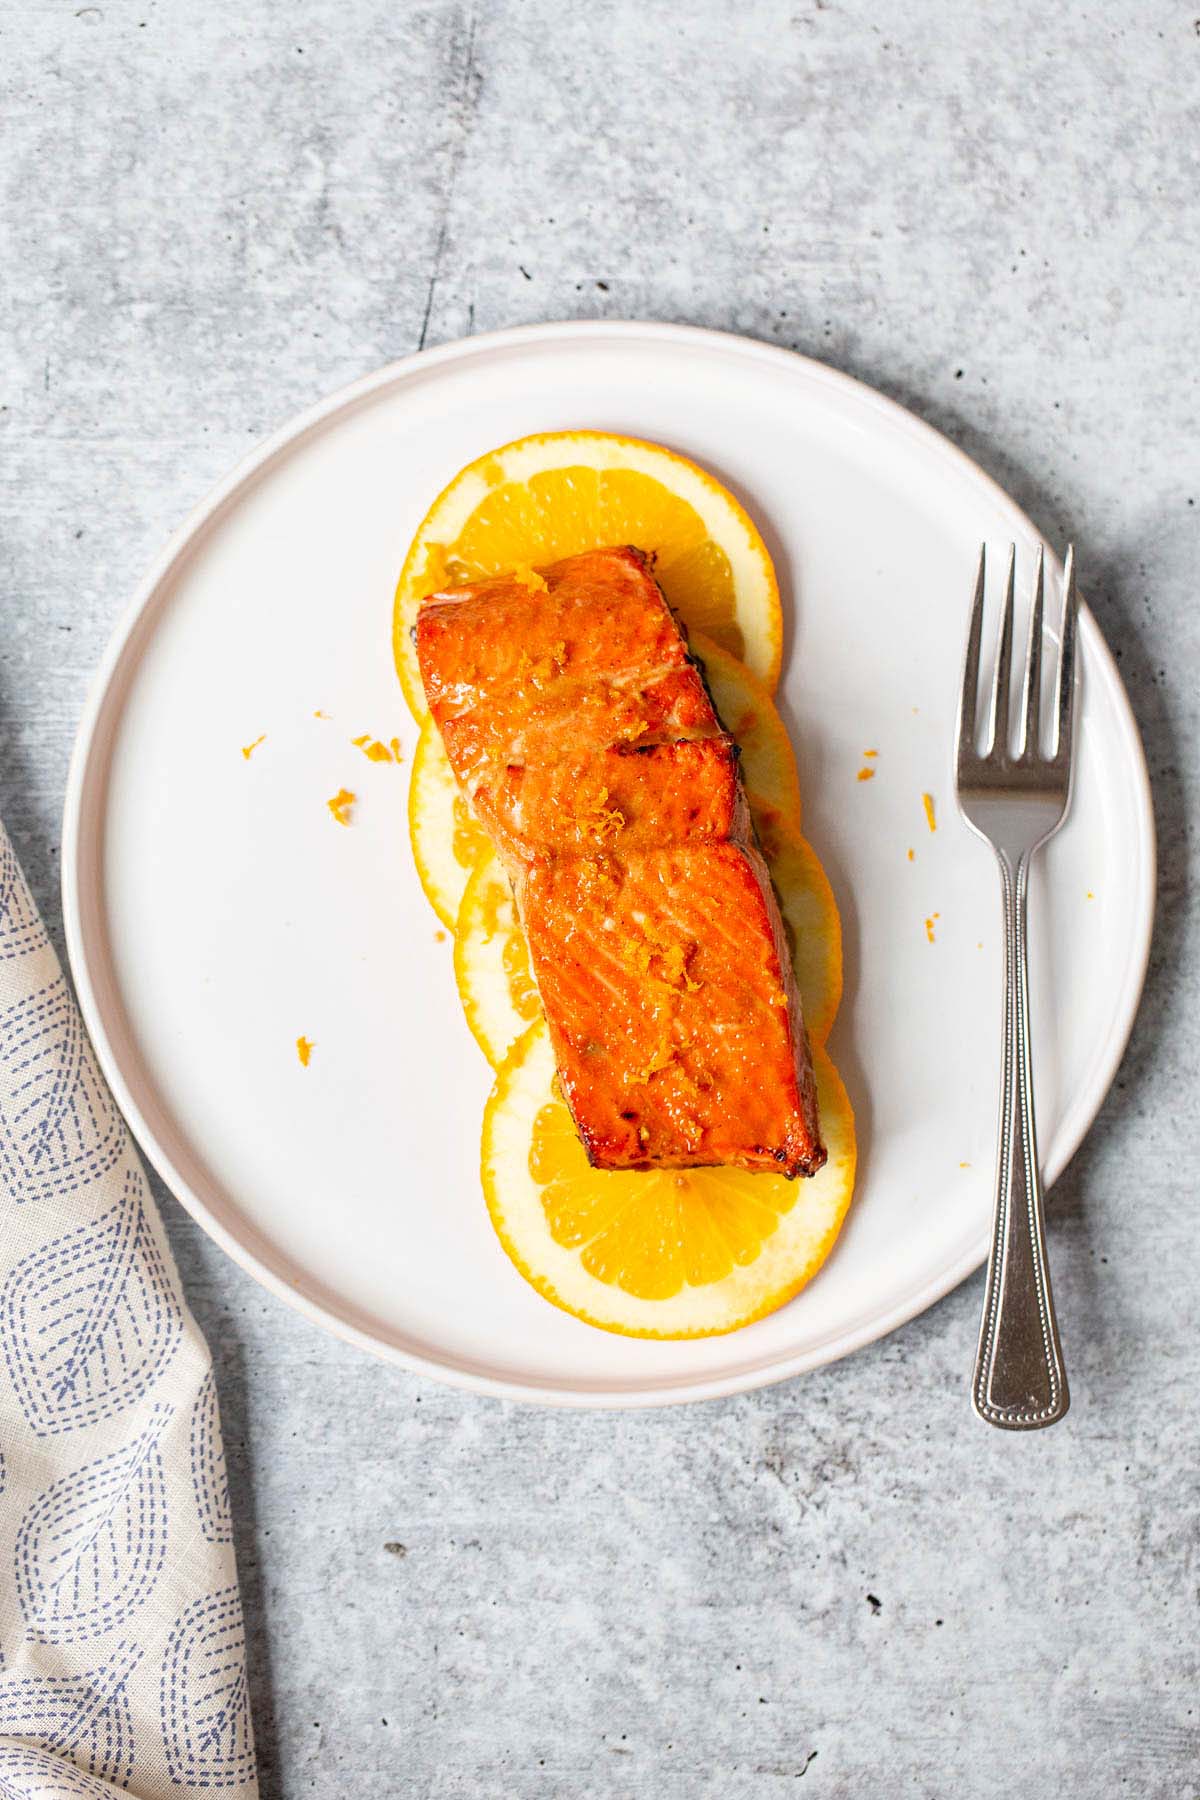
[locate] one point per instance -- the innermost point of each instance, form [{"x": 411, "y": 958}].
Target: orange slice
[
  {"x": 749, "y": 714},
  {"x": 811, "y": 921},
  {"x": 561, "y": 492},
  {"x": 447, "y": 840},
  {"x": 491, "y": 962},
  {"x": 663, "y": 1254}
]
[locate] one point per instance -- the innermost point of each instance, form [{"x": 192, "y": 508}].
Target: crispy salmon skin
[{"x": 588, "y": 745}]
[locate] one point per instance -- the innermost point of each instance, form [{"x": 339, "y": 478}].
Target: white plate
[{"x": 215, "y": 911}]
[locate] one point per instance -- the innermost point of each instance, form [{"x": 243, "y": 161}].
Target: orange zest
[
  {"x": 375, "y": 750},
  {"x": 341, "y": 804}
]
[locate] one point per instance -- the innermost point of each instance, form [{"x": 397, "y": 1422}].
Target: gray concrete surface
[{"x": 215, "y": 213}]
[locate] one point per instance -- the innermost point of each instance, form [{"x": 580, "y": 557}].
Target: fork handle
[{"x": 1019, "y": 1383}]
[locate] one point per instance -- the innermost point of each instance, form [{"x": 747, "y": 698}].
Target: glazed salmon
[
  {"x": 586, "y": 741},
  {"x": 643, "y": 796},
  {"x": 677, "y": 1039}
]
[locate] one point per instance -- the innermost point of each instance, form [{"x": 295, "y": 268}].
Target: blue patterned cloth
[{"x": 122, "y": 1651}]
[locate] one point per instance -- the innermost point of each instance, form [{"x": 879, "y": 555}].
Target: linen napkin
[{"x": 122, "y": 1652}]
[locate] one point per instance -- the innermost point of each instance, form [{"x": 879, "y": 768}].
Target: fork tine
[
  {"x": 1002, "y": 682},
  {"x": 1032, "y": 697},
  {"x": 1066, "y": 662},
  {"x": 968, "y": 698}
]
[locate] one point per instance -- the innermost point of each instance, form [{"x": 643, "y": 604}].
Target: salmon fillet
[
  {"x": 588, "y": 745},
  {"x": 642, "y": 795}
]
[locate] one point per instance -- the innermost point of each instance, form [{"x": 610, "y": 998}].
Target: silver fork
[{"x": 1015, "y": 800}]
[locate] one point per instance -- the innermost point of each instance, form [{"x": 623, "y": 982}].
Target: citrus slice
[
  {"x": 447, "y": 840},
  {"x": 491, "y": 961},
  {"x": 561, "y": 492},
  {"x": 811, "y": 922},
  {"x": 749, "y": 715},
  {"x": 668, "y": 1253}
]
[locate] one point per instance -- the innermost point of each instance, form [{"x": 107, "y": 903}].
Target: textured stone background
[{"x": 216, "y": 212}]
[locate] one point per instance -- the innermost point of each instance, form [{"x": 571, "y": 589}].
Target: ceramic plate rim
[{"x": 896, "y": 418}]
